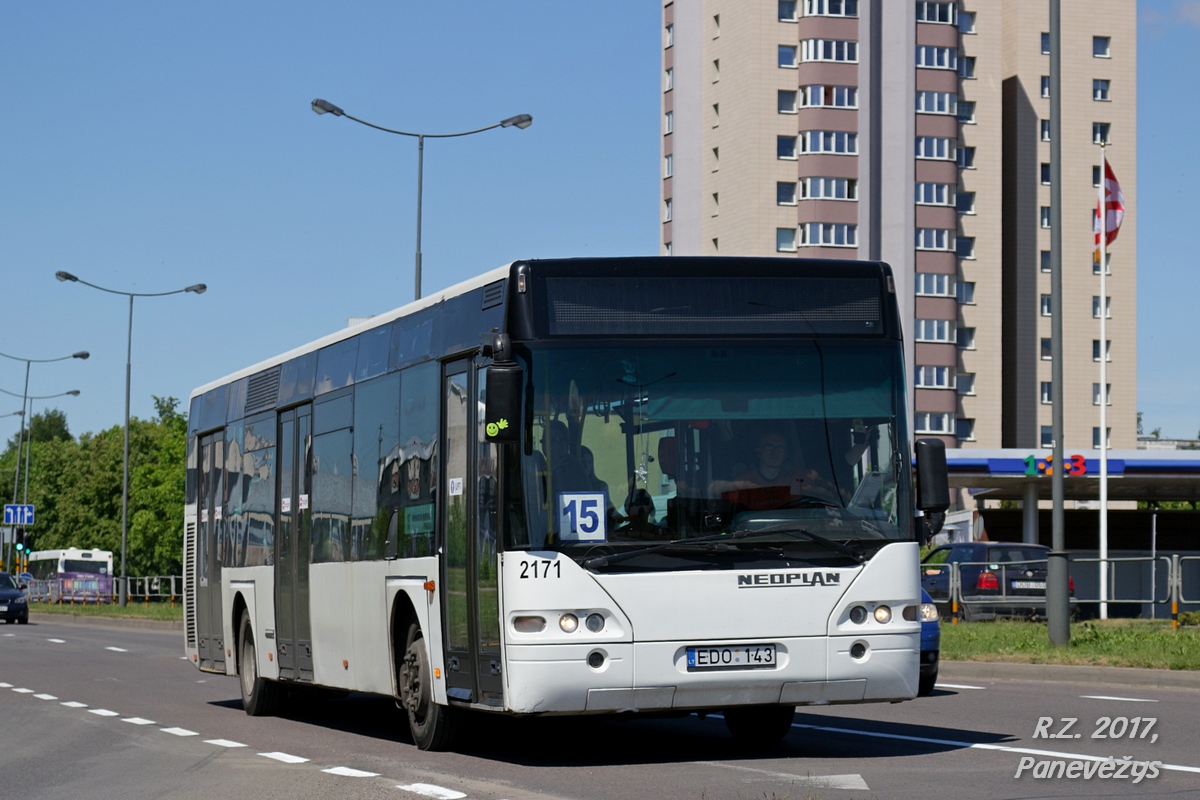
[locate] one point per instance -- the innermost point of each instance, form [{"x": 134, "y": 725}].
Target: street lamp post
[
  {"x": 29, "y": 445},
  {"x": 197, "y": 288},
  {"x": 83, "y": 355},
  {"x": 520, "y": 121}
]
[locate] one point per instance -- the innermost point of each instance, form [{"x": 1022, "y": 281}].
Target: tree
[{"x": 45, "y": 426}]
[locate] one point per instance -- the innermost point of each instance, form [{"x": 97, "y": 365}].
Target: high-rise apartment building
[{"x": 917, "y": 132}]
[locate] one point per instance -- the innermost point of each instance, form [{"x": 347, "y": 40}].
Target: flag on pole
[{"x": 1112, "y": 201}]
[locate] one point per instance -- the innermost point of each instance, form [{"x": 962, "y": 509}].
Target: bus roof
[{"x": 71, "y": 552}]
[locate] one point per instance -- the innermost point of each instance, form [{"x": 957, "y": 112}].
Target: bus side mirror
[
  {"x": 502, "y": 416},
  {"x": 933, "y": 482}
]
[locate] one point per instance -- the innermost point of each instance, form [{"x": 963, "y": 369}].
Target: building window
[
  {"x": 1047, "y": 393},
  {"x": 966, "y": 338},
  {"x": 966, "y": 67},
  {"x": 964, "y": 429},
  {"x": 1045, "y": 86},
  {"x": 934, "y": 378},
  {"x": 927, "y": 422},
  {"x": 1045, "y": 261},
  {"x": 1107, "y": 394},
  {"x": 1096, "y": 307},
  {"x": 1096, "y": 350},
  {"x": 937, "y": 147},
  {"x": 930, "y": 11},
  {"x": 831, "y": 96},
  {"x": 1096, "y": 264},
  {"x": 1045, "y": 44},
  {"x": 829, "y": 234},
  {"x": 931, "y": 57},
  {"x": 934, "y": 284},
  {"x": 966, "y": 112},
  {"x": 667, "y": 210},
  {"x": 966, "y": 291},
  {"x": 934, "y": 194},
  {"x": 785, "y": 193},
  {"x": 1100, "y": 133},
  {"x": 668, "y": 248},
  {"x": 1045, "y": 130},
  {"x": 821, "y": 188},
  {"x": 669, "y": 80},
  {"x": 1100, "y": 89},
  {"x": 787, "y": 11},
  {"x": 966, "y": 22},
  {"x": 1096, "y": 438},
  {"x": 787, "y": 101},
  {"x": 785, "y": 240},
  {"x": 668, "y": 166},
  {"x": 1047, "y": 436},
  {"x": 966, "y": 158},
  {"x": 831, "y": 8},
  {"x": 785, "y": 146},
  {"x": 1101, "y": 46},
  {"x": 935, "y": 330},
  {"x": 829, "y": 142},
  {"x": 1047, "y": 349},
  {"x": 937, "y": 103},
  {"x": 1045, "y": 174},
  {"x": 826, "y": 50},
  {"x": 1096, "y": 175},
  {"x": 669, "y": 122},
  {"x": 1046, "y": 305},
  {"x": 1044, "y": 216},
  {"x": 668, "y": 36},
  {"x": 935, "y": 239},
  {"x": 964, "y": 246},
  {"x": 965, "y": 384},
  {"x": 965, "y": 202},
  {"x": 787, "y": 56}
]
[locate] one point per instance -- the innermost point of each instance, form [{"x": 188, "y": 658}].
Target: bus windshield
[
  {"x": 781, "y": 443},
  {"x": 87, "y": 567}
]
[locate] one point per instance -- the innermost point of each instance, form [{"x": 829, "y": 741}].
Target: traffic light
[{"x": 20, "y": 540}]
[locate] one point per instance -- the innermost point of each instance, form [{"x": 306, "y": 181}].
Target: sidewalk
[{"x": 1061, "y": 673}]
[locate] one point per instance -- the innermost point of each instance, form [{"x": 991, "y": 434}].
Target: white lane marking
[
  {"x": 45, "y": 697},
  {"x": 57, "y": 641},
  {"x": 350, "y": 773},
  {"x": 223, "y": 743},
  {"x": 24, "y": 691},
  {"x": 977, "y": 745},
  {"x": 1107, "y": 697},
  {"x": 138, "y": 721},
  {"x": 103, "y": 712},
  {"x": 851, "y": 781},
  {"x": 956, "y": 686},
  {"x": 117, "y": 649},
  {"x": 5, "y": 685},
  {"x": 10, "y": 634},
  {"x": 285, "y": 758},
  {"x": 74, "y": 704},
  {"x": 430, "y": 790},
  {"x": 179, "y": 731}
]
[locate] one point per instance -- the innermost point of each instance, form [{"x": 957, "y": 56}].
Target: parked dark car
[
  {"x": 992, "y": 572},
  {"x": 931, "y": 644},
  {"x": 14, "y": 605}
]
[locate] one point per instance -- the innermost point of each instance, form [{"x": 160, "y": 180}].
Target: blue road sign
[{"x": 15, "y": 514}]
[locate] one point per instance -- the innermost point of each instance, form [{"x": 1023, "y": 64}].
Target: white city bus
[
  {"x": 581, "y": 486},
  {"x": 71, "y": 575}
]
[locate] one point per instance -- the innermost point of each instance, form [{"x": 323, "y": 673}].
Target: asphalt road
[{"x": 98, "y": 712}]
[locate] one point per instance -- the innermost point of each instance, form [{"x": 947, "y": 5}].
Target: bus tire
[
  {"x": 433, "y": 727},
  {"x": 759, "y": 726},
  {"x": 260, "y": 697}
]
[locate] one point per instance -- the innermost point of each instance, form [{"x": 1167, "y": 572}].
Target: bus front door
[
  {"x": 210, "y": 551},
  {"x": 470, "y": 611},
  {"x": 293, "y": 628}
]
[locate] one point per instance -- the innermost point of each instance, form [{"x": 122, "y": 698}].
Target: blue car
[
  {"x": 931, "y": 642},
  {"x": 14, "y": 605}
]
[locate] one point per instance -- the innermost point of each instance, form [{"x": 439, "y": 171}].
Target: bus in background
[
  {"x": 71, "y": 576},
  {"x": 586, "y": 486}
]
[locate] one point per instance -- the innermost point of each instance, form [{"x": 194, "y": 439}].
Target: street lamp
[
  {"x": 82, "y": 355},
  {"x": 520, "y": 121},
  {"x": 196, "y": 288}
]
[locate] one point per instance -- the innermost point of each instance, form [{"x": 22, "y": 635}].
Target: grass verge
[
  {"x": 161, "y": 611},
  {"x": 1104, "y": 643}
]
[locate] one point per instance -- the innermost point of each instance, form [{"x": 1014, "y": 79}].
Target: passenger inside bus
[{"x": 774, "y": 469}]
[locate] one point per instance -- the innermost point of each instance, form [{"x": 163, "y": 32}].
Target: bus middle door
[{"x": 293, "y": 625}]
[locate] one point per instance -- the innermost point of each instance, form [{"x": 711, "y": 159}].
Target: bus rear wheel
[
  {"x": 759, "y": 726},
  {"x": 260, "y": 697},
  {"x": 433, "y": 727}
]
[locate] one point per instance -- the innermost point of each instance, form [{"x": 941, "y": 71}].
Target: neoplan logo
[{"x": 780, "y": 580}]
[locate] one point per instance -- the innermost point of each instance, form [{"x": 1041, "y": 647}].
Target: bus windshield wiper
[
  {"x": 716, "y": 538},
  {"x": 801, "y": 533}
]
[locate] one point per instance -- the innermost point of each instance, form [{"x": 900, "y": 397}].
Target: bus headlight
[
  {"x": 568, "y": 622},
  {"x": 595, "y": 623},
  {"x": 529, "y": 624},
  {"x": 858, "y": 615},
  {"x": 883, "y": 614}
]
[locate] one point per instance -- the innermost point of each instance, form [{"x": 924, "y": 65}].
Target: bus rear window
[{"x": 90, "y": 567}]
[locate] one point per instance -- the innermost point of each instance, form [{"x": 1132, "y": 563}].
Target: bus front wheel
[
  {"x": 759, "y": 726},
  {"x": 260, "y": 697},
  {"x": 432, "y": 726}
]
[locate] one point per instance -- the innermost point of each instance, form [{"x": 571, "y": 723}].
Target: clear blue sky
[{"x": 148, "y": 146}]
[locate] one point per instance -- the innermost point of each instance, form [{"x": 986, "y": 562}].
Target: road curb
[
  {"x": 107, "y": 622},
  {"x": 1063, "y": 673}
]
